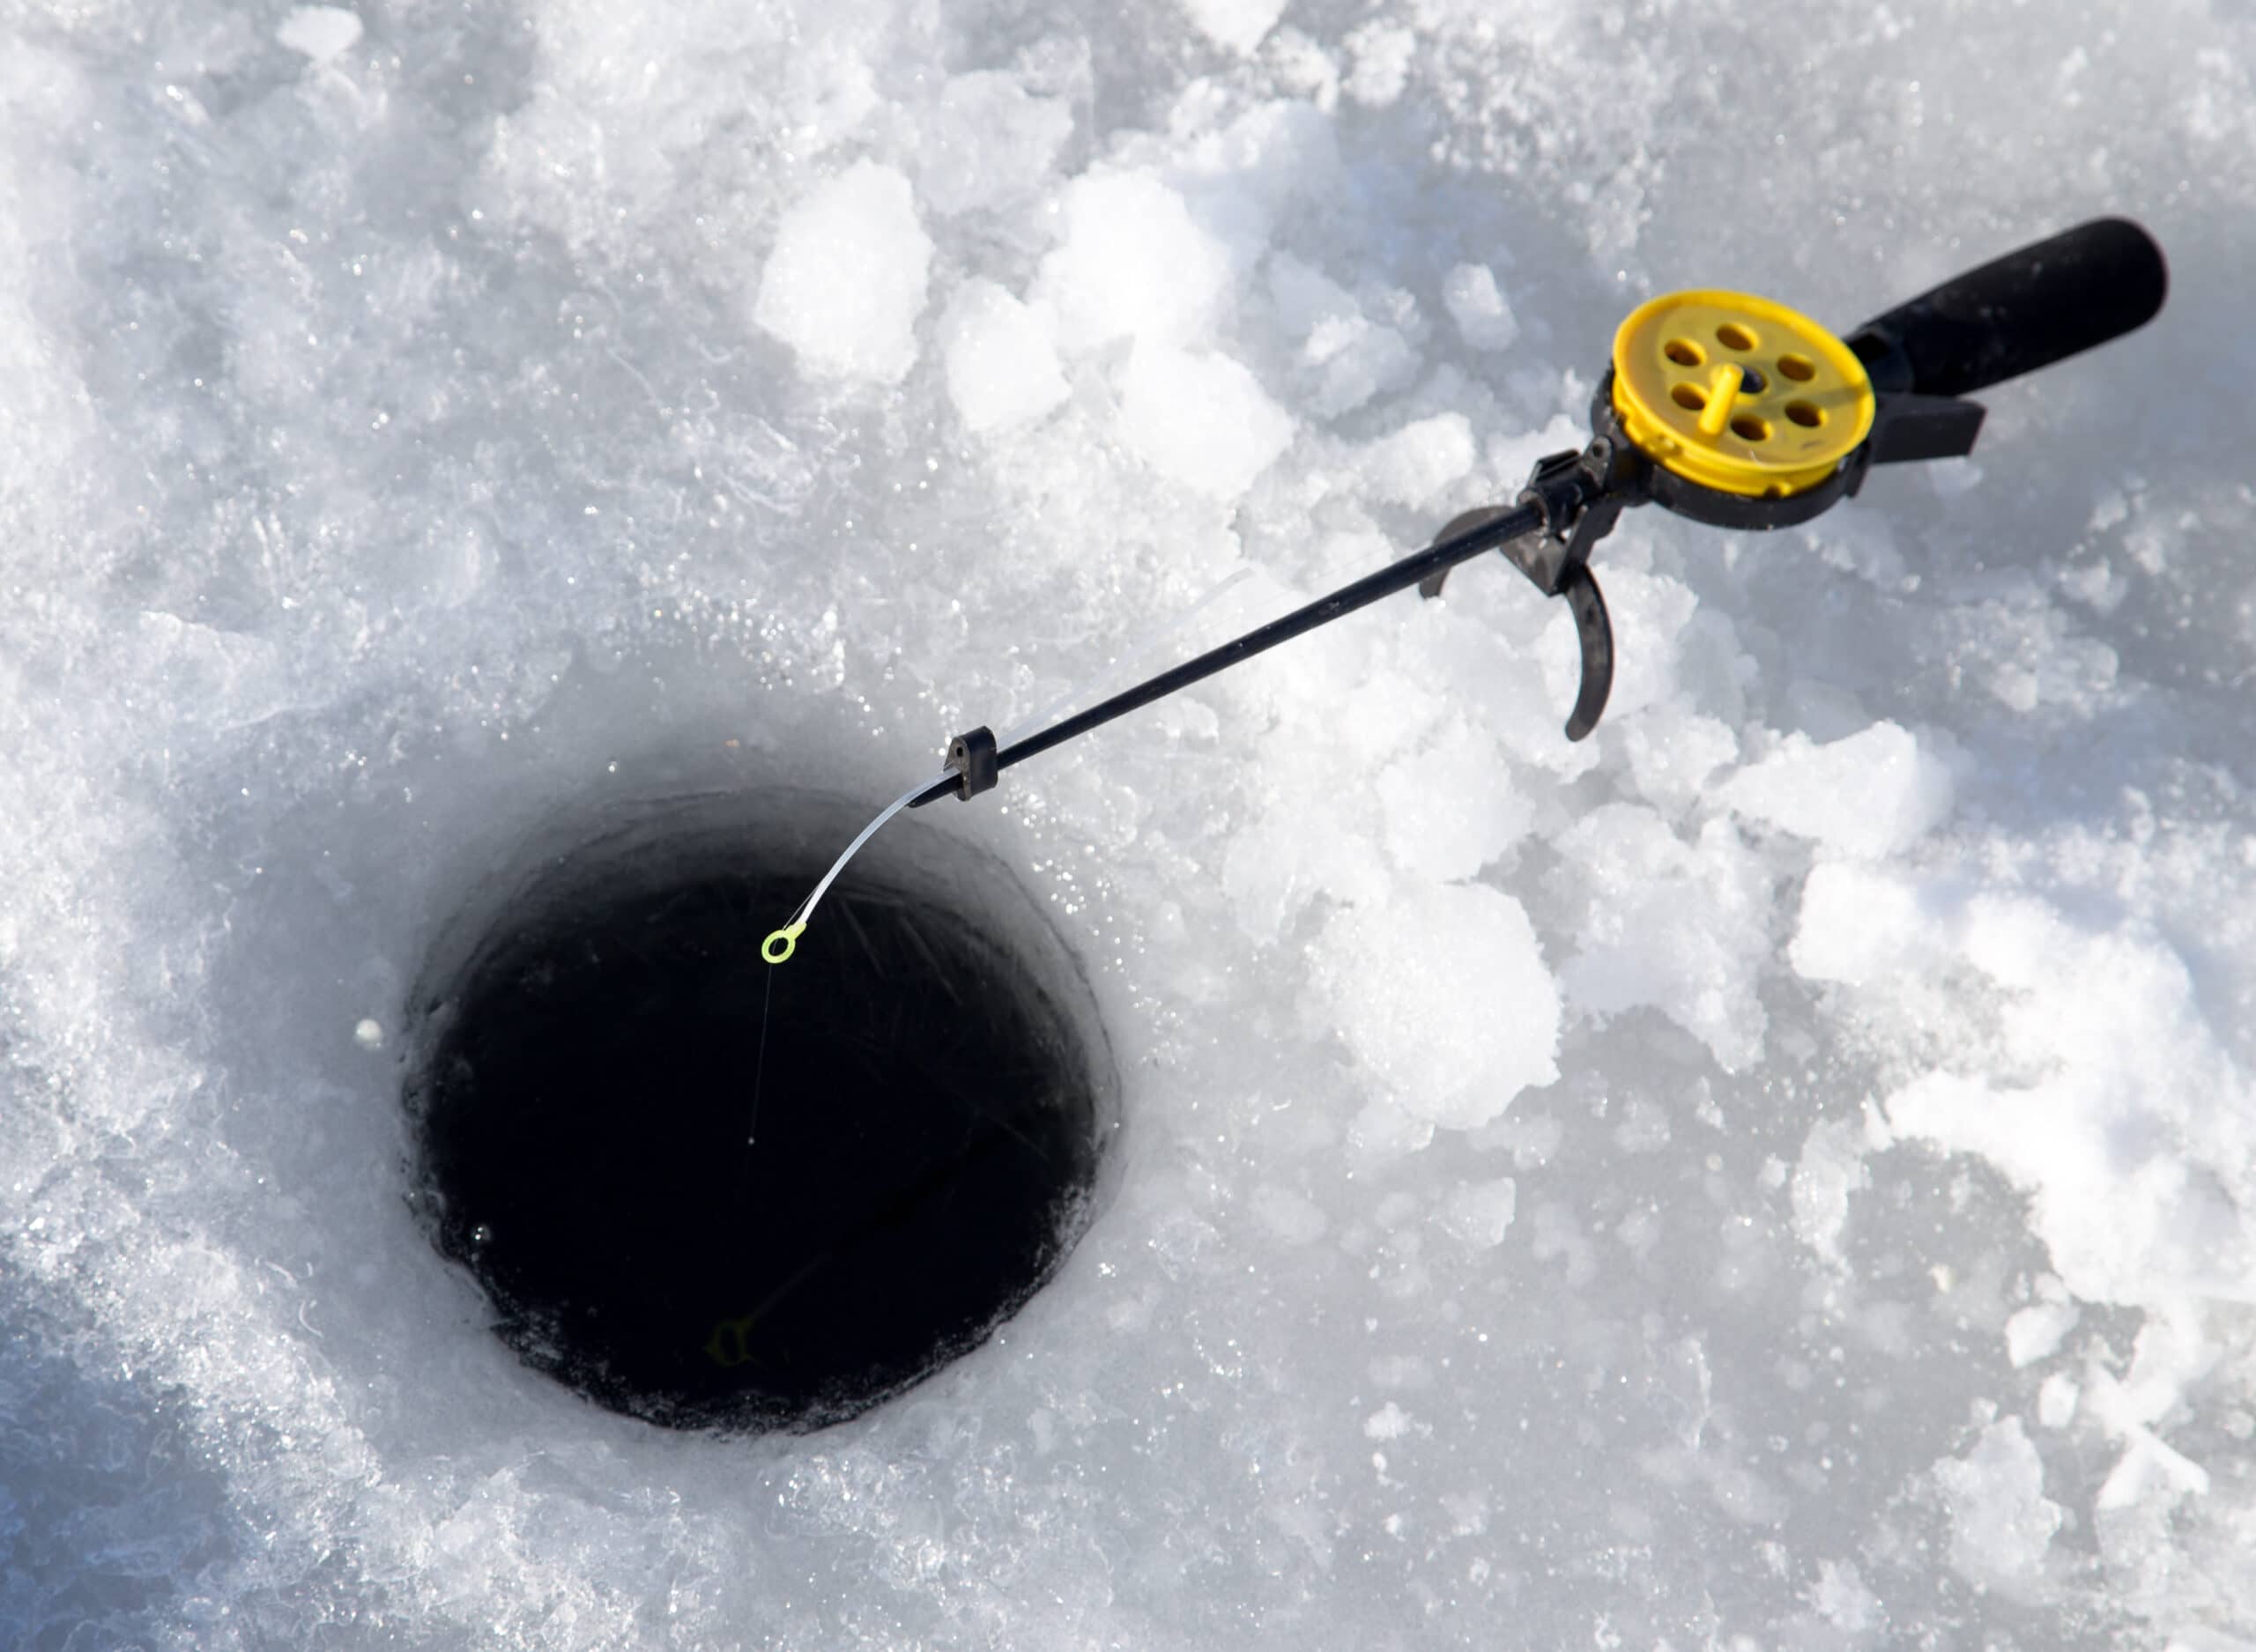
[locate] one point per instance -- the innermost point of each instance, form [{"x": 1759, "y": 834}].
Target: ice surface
[{"x": 1777, "y": 1174}]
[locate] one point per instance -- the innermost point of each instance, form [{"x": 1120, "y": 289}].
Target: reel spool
[{"x": 1739, "y": 395}]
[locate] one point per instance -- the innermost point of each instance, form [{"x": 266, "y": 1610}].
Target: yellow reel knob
[{"x": 1738, "y": 394}]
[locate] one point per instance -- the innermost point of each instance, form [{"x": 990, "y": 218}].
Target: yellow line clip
[{"x": 780, "y": 945}]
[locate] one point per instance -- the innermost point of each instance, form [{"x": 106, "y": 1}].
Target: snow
[
  {"x": 1477, "y": 305},
  {"x": 1415, "y": 464},
  {"x": 2104, "y": 1090},
  {"x": 1390, "y": 1421},
  {"x": 1449, "y": 808},
  {"x": 1381, "y": 52},
  {"x": 1345, "y": 353},
  {"x": 2037, "y": 1331},
  {"x": 1294, "y": 1219},
  {"x": 846, "y": 281},
  {"x": 1237, "y": 25},
  {"x": 1132, "y": 263},
  {"x": 1827, "y": 1175},
  {"x": 1870, "y": 794},
  {"x": 1002, "y": 359},
  {"x": 1481, "y": 1212},
  {"x": 992, "y": 143},
  {"x": 1842, "y": 1599},
  {"x": 1777, "y": 1174},
  {"x": 1200, "y": 419},
  {"x": 1448, "y": 1047},
  {"x": 1670, "y": 924},
  {"x": 2001, "y": 1524},
  {"x": 320, "y": 32}
]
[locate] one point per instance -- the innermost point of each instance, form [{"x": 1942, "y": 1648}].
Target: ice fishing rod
[{"x": 1720, "y": 406}]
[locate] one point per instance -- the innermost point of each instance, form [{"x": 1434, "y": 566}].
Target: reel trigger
[{"x": 1581, "y": 495}]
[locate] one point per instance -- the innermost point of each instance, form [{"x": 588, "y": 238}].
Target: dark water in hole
[{"x": 927, "y": 1138}]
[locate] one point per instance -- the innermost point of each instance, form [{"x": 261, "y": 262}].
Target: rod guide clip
[{"x": 971, "y": 758}]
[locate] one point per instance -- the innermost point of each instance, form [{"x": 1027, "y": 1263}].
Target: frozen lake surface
[{"x": 1780, "y": 1173}]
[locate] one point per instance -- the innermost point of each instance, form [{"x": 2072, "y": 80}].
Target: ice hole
[{"x": 933, "y": 1107}]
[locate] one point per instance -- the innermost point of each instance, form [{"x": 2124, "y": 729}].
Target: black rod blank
[{"x": 1486, "y": 535}]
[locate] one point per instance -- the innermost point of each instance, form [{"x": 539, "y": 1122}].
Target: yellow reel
[{"x": 1738, "y": 394}]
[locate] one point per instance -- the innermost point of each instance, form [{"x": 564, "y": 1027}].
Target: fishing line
[
  {"x": 781, "y": 943},
  {"x": 760, "y": 1064}
]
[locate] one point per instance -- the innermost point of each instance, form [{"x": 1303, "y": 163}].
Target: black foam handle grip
[{"x": 2017, "y": 313}]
